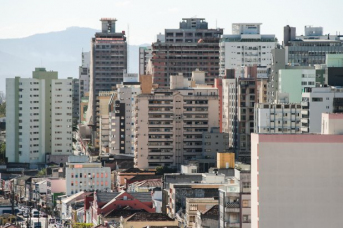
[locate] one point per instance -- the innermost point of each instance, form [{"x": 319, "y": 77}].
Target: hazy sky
[{"x": 146, "y": 18}]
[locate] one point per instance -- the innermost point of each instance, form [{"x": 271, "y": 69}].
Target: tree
[
  {"x": 3, "y": 109},
  {"x": 41, "y": 173},
  {"x": 2, "y": 152},
  {"x": 82, "y": 225},
  {"x": 160, "y": 170}
]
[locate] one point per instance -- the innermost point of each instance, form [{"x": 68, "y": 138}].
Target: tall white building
[
  {"x": 122, "y": 116},
  {"x": 170, "y": 122},
  {"x": 39, "y": 117},
  {"x": 245, "y": 47},
  {"x": 84, "y": 77}
]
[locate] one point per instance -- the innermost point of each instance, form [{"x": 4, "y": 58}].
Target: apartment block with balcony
[
  {"x": 170, "y": 122},
  {"x": 277, "y": 118},
  {"x": 39, "y": 118},
  {"x": 245, "y": 47}
]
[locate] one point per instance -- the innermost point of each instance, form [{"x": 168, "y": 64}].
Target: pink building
[{"x": 297, "y": 179}]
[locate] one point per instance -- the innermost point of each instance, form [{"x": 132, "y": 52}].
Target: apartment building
[
  {"x": 278, "y": 118},
  {"x": 122, "y": 116},
  {"x": 316, "y": 101},
  {"x": 87, "y": 177},
  {"x": 84, "y": 79},
  {"x": 108, "y": 60},
  {"x": 239, "y": 97},
  {"x": 145, "y": 54},
  {"x": 286, "y": 180},
  {"x": 193, "y": 205},
  {"x": 170, "y": 122},
  {"x": 192, "y": 46},
  {"x": 246, "y": 46},
  {"x": 39, "y": 117},
  {"x": 311, "y": 48},
  {"x": 214, "y": 142}
]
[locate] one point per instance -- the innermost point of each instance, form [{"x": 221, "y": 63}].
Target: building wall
[
  {"x": 293, "y": 81},
  {"x": 94, "y": 177},
  {"x": 332, "y": 124},
  {"x": 280, "y": 193}
]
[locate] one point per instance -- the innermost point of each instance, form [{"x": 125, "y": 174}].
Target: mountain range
[{"x": 58, "y": 51}]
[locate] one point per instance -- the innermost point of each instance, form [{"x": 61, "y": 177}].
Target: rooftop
[
  {"x": 142, "y": 196},
  {"x": 105, "y": 197},
  {"x": 213, "y": 212},
  {"x": 146, "y": 216}
]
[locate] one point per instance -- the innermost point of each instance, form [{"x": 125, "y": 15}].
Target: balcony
[
  {"x": 304, "y": 112},
  {"x": 303, "y": 120}
]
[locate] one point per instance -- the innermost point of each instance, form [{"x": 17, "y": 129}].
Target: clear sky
[{"x": 146, "y": 18}]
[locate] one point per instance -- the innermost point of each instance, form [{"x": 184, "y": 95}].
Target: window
[
  {"x": 245, "y": 203},
  {"x": 193, "y": 207},
  {"x": 317, "y": 99}
]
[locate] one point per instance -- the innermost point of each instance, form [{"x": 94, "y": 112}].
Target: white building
[
  {"x": 122, "y": 117},
  {"x": 170, "y": 122},
  {"x": 39, "y": 117},
  {"x": 277, "y": 118},
  {"x": 316, "y": 101},
  {"x": 87, "y": 177},
  {"x": 145, "y": 54},
  {"x": 245, "y": 47},
  {"x": 294, "y": 175}
]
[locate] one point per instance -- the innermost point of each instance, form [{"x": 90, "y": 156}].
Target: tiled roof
[
  {"x": 134, "y": 170},
  {"x": 141, "y": 196},
  {"x": 125, "y": 212},
  {"x": 105, "y": 197},
  {"x": 213, "y": 212},
  {"x": 146, "y": 216},
  {"x": 144, "y": 177}
]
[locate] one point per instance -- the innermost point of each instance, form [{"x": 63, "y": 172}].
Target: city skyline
[{"x": 88, "y": 15}]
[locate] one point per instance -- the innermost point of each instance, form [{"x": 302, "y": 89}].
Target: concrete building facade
[
  {"x": 84, "y": 78},
  {"x": 39, "y": 117}
]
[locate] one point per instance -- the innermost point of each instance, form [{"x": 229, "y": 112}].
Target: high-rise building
[
  {"x": 122, "y": 115},
  {"x": 39, "y": 118},
  {"x": 84, "y": 78},
  {"x": 287, "y": 182},
  {"x": 145, "y": 54},
  {"x": 170, "y": 122},
  {"x": 239, "y": 97},
  {"x": 245, "y": 47},
  {"x": 192, "y": 46},
  {"x": 108, "y": 61}
]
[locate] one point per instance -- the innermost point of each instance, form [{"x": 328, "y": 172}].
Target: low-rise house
[
  {"x": 193, "y": 205},
  {"x": 145, "y": 185},
  {"x": 72, "y": 204},
  {"x": 121, "y": 176},
  {"x": 208, "y": 218},
  {"x": 105, "y": 202}
]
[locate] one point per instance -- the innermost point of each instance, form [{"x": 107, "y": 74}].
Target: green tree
[
  {"x": 82, "y": 225},
  {"x": 3, "y": 109},
  {"x": 2, "y": 152},
  {"x": 160, "y": 170},
  {"x": 41, "y": 173}
]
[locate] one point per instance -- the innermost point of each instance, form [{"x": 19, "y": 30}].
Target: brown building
[{"x": 192, "y": 46}]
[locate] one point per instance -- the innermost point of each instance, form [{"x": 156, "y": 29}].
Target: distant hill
[{"x": 59, "y": 51}]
